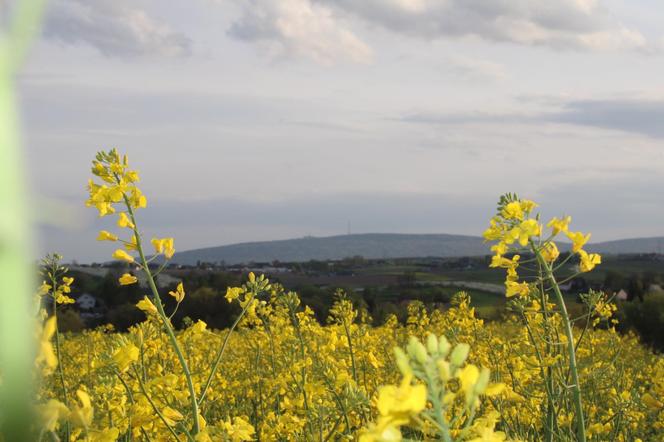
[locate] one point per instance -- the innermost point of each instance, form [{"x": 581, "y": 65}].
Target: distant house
[
  {"x": 161, "y": 280},
  {"x": 90, "y": 307},
  {"x": 86, "y": 302}
]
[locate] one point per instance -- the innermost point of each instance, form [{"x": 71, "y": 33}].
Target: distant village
[{"x": 356, "y": 273}]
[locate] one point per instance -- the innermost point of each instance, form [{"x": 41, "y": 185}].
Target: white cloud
[
  {"x": 475, "y": 68},
  {"x": 299, "y": 28},
  {"x": 562, "y": 24},
  {"x": 114, "y": 27}
]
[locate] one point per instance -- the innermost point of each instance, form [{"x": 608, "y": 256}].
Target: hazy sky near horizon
[{"x": 272, "y": 119}]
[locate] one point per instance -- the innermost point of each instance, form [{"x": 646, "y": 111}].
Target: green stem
[
  {"x": 130, "y": 396},
  {"x": 220, "y": 354},
  {"x": 352, "y": 354},
  {"x": 165, "y": 321},
  {"x": 435, "y": 394},
  {"x": 154, "y": 406},
  {"x": 551, "y": 420},
  {"x": 576, "y": 387},
  {"x": 296, "y": 326},
  {"x": 58, "y": 352}
]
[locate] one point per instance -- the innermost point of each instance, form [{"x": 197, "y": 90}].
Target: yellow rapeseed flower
[
  {"x": 513, "y": 210},
  {"x": 402, "y": 402},
  {"x": 558, "y": 225},
  {"x": 588, "y": 261},
  {"x": 127, "y": 279},
  {"x": 147, "y": 306},
  {"x": 44, "y": 288},
  {"x": 578, "y": 240},
  {"x": 46, "y": 352},
  {"x": 468, "y": 377},
  {"x": 198, "y": 327},
  {"x": 178, "y": 294},
  {"x": 550, "y": 252},
  {"x": 523, "y": 232},
  {"x": 240, "y": 430},
  {"x": 82, "y": 414},
  {"x": 132, "y": 244},
  {"x": 171, "y": 416},
  {"x": 61, "y": 298},
  {"x": 124, "y": 221},
  {"x": 499, "y": 261},
  {"x": 494, "y": 232},
  {"x": 499, "y": 249},
  {"x": 104, "y": 435},
  {"x": 123, "y": 256},
  {"x": 233, "y": 293},
  {"x": 513, "y": 288},
  {"x": 51, "y": 412},
  {"x": 164, "y": 245},
  {"x": 527, "y": 205},
  {"x": 106, "y": 236},
  {"x": 125, "y": 355}
]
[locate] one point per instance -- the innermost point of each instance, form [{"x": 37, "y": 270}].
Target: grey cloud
[
  {"x": 464, "y": 118},
  {"x": 637, "y": 116},
  {"x": 625, "y": 205},
  {"x": 475, "y": 69},
  {"x": 388, "y": 212},
  {"x": 113, "y": 27},
  {"x": 560, "y": 24},
  {"x": 95, "y": 109},
  {"x": 210, "y": 222},
  {"x": 632, "y": 210}
]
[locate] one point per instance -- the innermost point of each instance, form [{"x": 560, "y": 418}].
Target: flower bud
[
  {"x": 482, "y": 381},
  {"x": 443, "y": 346},
  {"x": 443, "y": 369},
  {"x": 139, "y": 337},
  {"x": 416, "y": 350},
  {"x": 432, "y": 344},
  {"x": 402, "y": 362},
  {"x": 459, "y": 354}
]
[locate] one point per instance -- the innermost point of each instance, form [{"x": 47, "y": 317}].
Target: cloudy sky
[{"x": 272, "y": 119}]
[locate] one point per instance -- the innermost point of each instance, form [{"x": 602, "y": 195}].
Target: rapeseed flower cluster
[
  {"x": 285, "y": 378},
  {"x": 277, "y": 374}
]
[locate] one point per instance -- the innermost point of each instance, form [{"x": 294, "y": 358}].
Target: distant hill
[
  {"x": 633, "y": 245},
  {"x": 378, "y": 245},
  {"x": 370, "y": 245}
]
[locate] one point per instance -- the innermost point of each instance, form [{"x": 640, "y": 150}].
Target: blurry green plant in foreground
[{"x": 16, "y": 328}]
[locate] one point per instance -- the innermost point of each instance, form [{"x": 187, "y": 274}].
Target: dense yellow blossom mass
[
  {"x": 286, "y": 377},
  {"x": 279, "y": 375}
]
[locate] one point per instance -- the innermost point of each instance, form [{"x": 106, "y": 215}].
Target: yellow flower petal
[{"x": 127, "y": 279}]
